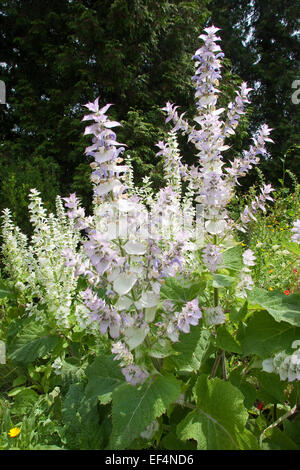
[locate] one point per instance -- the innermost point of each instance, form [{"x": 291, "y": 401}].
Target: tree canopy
[{"x": 57, "y": 55}]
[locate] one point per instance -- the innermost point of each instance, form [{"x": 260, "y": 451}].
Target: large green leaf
[
  {"x": 179, "y": 291},
  {"x": 81, "y": 419},
  {"x": 236, "y": 315},
  {"x": 171, "y": 442},
  {"x": 226, "y": 341},
  {"x": 278, "y": 440},
  {"x": 32, "y": 343},
  {"x": 282, "y": 307},
  {"x": 233, "y": 258},
  {"x": 271, "y": 388},
  {"x": 135, "y": 408},
  {"x": 219, "y": 420},
  {"x": 247, "y": 389},
  {"x": 292, "y": 429},
  {"x": 24, "y": 401},
  {"x": 220, "y": 280},
  {"x": 71, "y": 372},
  {"x": 104, "y": 375},
  {"x": 191, "y": 349},
  {"x": 264, "y": 336}
]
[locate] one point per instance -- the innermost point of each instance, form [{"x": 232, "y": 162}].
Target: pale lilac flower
[
  {"x": 189, "y": 315},
  {"x": 249, "y": 258},
  {"x": 134, "y": 374},
  {"x": 212, "y": 257},
  {"x": 236, "y": 109},
  {"x": 72, "y": 201},
  {"x": 105, "y": 315},
  {"x": 122, "y": 353},
  {"x": 168, "y": 306},
  {"x": 286, "y": 365},
  {"x": 246, "y": 283},
  {"x": 296, "y": 230}
]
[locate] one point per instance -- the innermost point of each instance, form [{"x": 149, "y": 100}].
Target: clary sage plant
[
  {"x": 132, "y": 249},
  {"x": 157, "y": 286}
]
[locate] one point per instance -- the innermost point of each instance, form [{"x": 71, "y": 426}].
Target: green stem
[
  {"x": 216, "y": 296},
  {"x": 224, "y": 373},
  {"x": 216, "y": 365}
]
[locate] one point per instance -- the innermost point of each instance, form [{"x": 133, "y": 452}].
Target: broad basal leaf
[
  {"x": 271, "y": 388},
  {"x": 81, "y": 420},
  {"x": 220, "y": 280},
  {"x": 264, "y": 336},
  {"x": 191, "y": 349},
  {"x": 278, "y": 440},
  {"x": 282, "y": 307},
  {"x": 32, "y": 342},
  {"x": 104, "y": 375},
  {"x": 135, "y": 408},
  {"x": 225, "y": 340},
  {"x": 219, "y": 420},
  {"x": 232, "y": 258},
  {"x": 247, "y": 389},
  {"x": 178, "y": 291}
]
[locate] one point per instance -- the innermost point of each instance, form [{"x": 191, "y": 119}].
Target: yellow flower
[
  {"x": 14, "y": 432},
  {"x": 243, "y": 244},
  {"x": 271, "y": 270},
  {"x": 271, "y": 288}
]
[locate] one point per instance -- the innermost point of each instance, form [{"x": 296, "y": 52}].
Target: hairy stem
[{"x": 216, "y": 365}]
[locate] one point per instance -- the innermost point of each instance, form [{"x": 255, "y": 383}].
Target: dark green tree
[{"x": 57, "y": 55}]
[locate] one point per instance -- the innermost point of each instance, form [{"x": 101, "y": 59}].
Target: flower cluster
[
  {"x": 135, "y": 238},
  {"x": 106, "y": 316},
  {"x": 132, "y": 241},
  {"x": 14, "y": 251},
  {"x": 39, "y": 267},
  {"x": 246, "y": 281},
  {"x": 286, "y": 365},
  {"x": 296, "y": 232},
  {"x": 259, "y": 203},
  {"x": 212, "y": 257},
  {"x": 214, "y": 184},
  {"x": 175, "y": 322}
]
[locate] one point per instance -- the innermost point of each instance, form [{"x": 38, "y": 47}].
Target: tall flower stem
[{"x": 216, "y": 291}]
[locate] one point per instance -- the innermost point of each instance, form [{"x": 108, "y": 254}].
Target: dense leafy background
[{"x": 56, "y": 56}]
